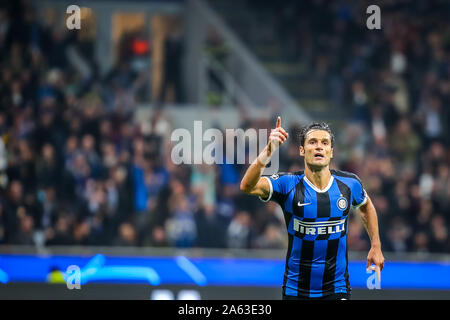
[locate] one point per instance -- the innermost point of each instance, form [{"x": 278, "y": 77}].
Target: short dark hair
[{"x": 315, "y": 126}]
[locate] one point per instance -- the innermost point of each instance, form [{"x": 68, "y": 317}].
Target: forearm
[
  {"x": 370, "y": 222},
  {"x": 251, "y": 182},
  {"x": 254, "y": 172}
]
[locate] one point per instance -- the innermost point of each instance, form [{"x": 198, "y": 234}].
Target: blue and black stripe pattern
[{"x": 317, "y": 221}]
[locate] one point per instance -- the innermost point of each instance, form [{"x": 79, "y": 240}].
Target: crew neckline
[{"x": 317, "y": 189}]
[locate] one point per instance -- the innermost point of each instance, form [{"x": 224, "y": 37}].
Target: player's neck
[{"x": 319, "y": 178}]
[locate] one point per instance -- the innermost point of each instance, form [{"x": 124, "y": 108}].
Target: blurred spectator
[
  {"x": 399, "y": 234},
  {"x": 226, "y": 204},
  {"x": 439, "y": 238},
  {"x": 172, "y": 77},
  {"x": 272, "y": 238},
  {"x": 25, "y": 234},
  {"x": 356, "y": 235},
  {"x": 2, "y": 226},
  {"x": 211, "y": 233},
  {"x": 157, "y": 238},
  {"x": 62, "y": 233},
  {"x": 50, "y": 207},
  {"x": 239, "y": 233},
  {"x": 430, "y": 116},
  {"x": 404, "y": 143},
  {"x": 269, "y": 215},
  {"x": 127, "y": 235},
  {"x": 47, "y": 167},
  {"x": 181, "y": 227},
  {"x": 82, "y": 234},
  {"x": 421, "y": 244},
  {"x": 203, "y": 182}
]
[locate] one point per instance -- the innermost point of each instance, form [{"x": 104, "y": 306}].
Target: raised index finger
[{"x": 278, "y": 122}]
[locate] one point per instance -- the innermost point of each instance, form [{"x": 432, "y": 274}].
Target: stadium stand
[{"x": 77, "y": 170}]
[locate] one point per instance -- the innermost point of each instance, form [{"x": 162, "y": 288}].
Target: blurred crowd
[
  {"x": 394, "y": 86},
  {"x": 77, "y": 169}
]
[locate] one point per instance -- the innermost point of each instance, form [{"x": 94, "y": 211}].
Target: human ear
[{"x": 302, "y": 151}]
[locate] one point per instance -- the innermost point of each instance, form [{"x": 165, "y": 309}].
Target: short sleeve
[
  {"x": 279, "y": 187},
  {"x": 359, "y": 195}
]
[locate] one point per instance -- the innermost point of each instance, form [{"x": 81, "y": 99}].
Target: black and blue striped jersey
[{"x": 316, "y": 221}]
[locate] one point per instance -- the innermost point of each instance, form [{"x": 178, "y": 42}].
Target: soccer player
[{"x": 315, "y": 203}]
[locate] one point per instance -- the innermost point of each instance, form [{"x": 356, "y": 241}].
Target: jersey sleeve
[
  {"x": 359, "y": 195},
  {"x": 279, "y": 187}
]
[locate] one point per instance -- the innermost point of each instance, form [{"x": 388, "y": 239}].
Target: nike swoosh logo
[{"x": 303, "y": 204}]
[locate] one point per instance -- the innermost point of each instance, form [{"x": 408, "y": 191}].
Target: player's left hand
[{"x": 375, "y": 257}]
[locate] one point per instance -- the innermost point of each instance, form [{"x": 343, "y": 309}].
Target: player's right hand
[{"x": 277, "y": 137}]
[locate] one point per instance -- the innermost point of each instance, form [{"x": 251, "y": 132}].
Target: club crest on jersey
[
  {"x": 342, "y": 203},
  {"x": 275, "y": 176}
]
